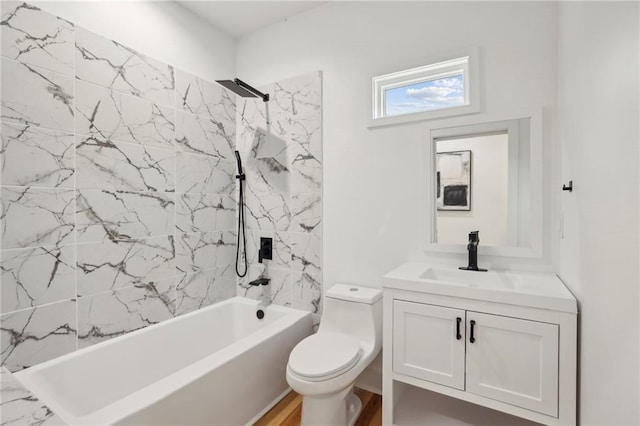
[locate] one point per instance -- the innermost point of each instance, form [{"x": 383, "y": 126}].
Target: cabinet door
[
  {"x": 428, "y": 343},
  {"x": 513, "y": 361}
]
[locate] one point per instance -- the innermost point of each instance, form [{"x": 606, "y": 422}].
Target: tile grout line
[
  {"x": 42, "y": 305},
  {"x": 176, "y": 198},
  {"x": 75, "y": 185},
  {"x": 6, "y": 121}
]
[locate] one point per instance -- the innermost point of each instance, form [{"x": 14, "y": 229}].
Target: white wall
[
  {"x": 372, "y": 188},
  {"x": 598, "y": 130},
  {"x": 163, "y": 30}
]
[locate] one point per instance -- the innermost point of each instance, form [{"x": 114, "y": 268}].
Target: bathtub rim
[{"x": 155, "y": 391}]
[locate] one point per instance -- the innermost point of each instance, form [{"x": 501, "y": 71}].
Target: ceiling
[{"x": 238, "y": 18}]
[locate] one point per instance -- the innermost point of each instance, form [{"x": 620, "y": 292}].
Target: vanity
[{"x": 502, "y": 340}]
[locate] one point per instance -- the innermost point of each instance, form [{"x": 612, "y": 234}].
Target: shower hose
[{"x": 241, "y": 228}]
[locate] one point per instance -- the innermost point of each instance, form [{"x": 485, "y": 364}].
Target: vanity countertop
[{"x": 531, "y": 289}]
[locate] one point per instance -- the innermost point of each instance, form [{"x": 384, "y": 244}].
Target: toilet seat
[{"x": 324, "y": 356}]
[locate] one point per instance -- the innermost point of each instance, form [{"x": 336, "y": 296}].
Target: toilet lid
[{"x": 324, "y": 354}]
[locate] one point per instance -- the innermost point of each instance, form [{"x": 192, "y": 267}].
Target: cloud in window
[{"x": 425, "y": 96}]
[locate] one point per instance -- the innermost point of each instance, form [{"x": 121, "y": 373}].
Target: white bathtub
[{"x": 219, "y": 365}]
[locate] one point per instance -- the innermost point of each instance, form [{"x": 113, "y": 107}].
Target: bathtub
[{"x": 218, "y": 365}]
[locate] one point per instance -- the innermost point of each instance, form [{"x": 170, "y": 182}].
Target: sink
[
  {"x": 531, "y": 289},
  {"x": 470, "y": 278}
]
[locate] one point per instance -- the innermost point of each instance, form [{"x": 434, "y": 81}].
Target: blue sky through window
[{"x": 425, "y": 96}]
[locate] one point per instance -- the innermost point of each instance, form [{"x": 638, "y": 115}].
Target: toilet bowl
[{"x": 323, "y": 367}]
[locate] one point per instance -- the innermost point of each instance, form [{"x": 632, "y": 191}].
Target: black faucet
[
  {"x": 260, "y": 281},
  {"x": 265, "y": 297},
  {"x": 472, "y": 248}
]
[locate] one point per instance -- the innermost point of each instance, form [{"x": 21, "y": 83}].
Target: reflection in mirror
[
  {"x": 482, "y": 183},
  {"x": 485, "y": 186}
]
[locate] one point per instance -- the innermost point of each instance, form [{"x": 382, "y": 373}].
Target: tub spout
[{"x": 265, "y": 283}]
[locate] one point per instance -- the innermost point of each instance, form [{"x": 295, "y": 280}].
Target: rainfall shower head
[{"x": 242, "y": 89}]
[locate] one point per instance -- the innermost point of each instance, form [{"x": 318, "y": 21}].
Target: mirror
[{"x": 486, "y": 177}]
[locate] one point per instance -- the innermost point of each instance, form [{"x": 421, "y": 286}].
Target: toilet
[{"x": 323, "y": 367}]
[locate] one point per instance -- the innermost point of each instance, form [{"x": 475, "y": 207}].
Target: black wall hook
[{"x": 568, "y": 187}]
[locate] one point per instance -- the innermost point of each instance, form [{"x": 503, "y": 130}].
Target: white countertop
[{"x": 531, "y": 289}]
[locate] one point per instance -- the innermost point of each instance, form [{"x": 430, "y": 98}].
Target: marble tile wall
[
  {"x": 117, "y": 189},
  {"x": 281, "y": 144}
]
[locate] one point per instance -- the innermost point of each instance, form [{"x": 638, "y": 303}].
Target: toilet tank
[{"x": 355, "y": 311}]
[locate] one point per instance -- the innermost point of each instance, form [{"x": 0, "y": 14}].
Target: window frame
[{"x": 463, "y": 62}]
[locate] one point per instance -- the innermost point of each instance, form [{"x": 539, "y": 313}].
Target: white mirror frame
[{"x": 435, "y": 130}]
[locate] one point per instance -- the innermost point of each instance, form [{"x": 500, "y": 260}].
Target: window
[
  {"x": 436, "y": 90},
  {"x": 439, "y": 93}
]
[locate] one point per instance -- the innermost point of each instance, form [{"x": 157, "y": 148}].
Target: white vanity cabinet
[
  {"x": 513, "y": 361},
  {"x": 428, "y": 343},
  {"x": 503, "y": 341}
]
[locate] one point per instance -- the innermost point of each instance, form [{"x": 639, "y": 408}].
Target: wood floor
[{"x": 289, "y": 410}]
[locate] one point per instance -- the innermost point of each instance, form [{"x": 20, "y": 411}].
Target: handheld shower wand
[
  {"x": 241, "y": 226},
  {"x": 240, "y": 174}
]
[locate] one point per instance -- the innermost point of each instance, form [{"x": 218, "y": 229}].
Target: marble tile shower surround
[
  {"x": 281, "y": 142},
  {"x": 118, "y": 189}
]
